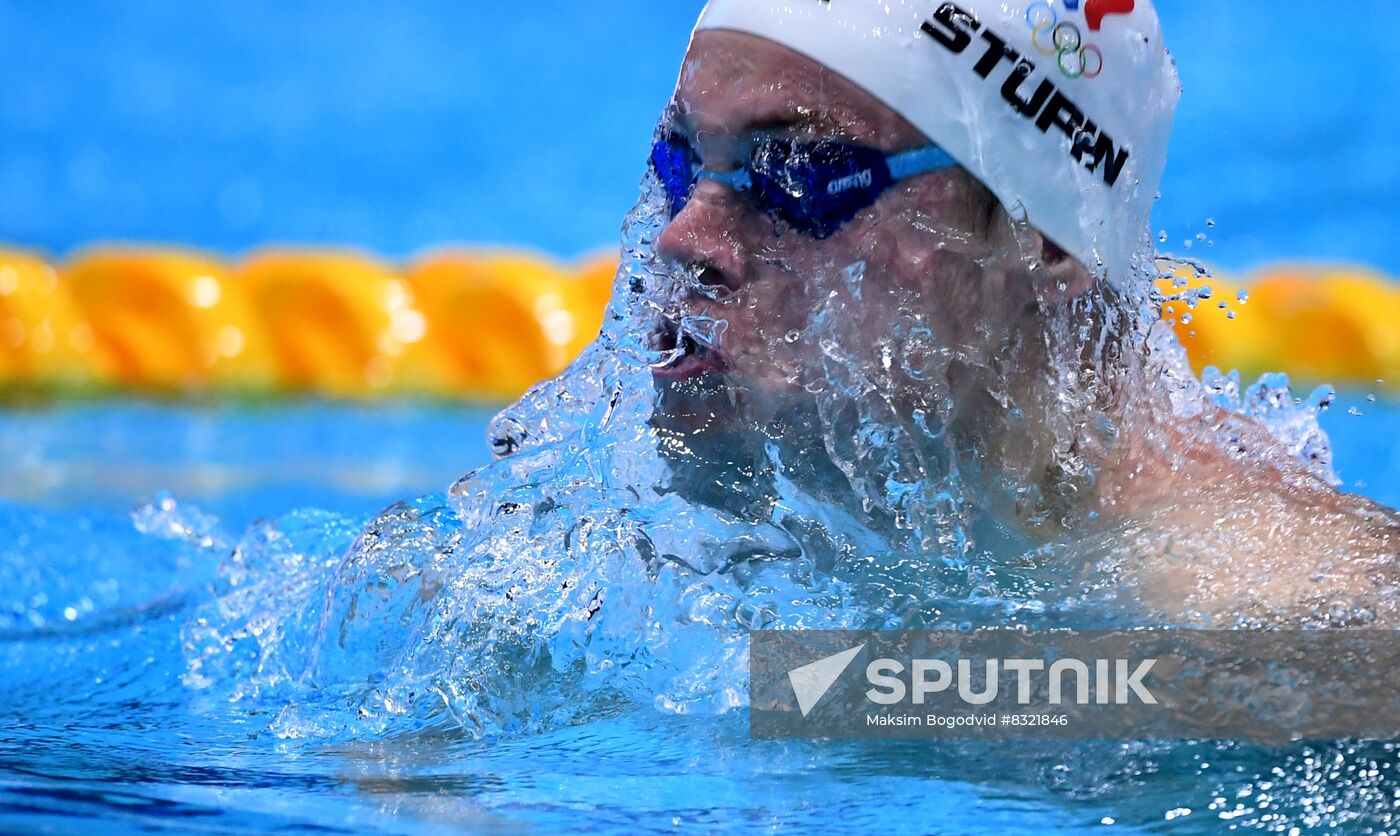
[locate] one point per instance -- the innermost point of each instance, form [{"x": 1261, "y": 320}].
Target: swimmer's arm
[
  {"x": 1213, "y": 518},
  {"x": 1276, "y": 554}
]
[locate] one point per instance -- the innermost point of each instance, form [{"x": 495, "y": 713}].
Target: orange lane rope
[{"x": 486, "y": 324}]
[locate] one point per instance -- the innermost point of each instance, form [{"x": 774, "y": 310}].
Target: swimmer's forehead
[{"x": 735, "y": 85}]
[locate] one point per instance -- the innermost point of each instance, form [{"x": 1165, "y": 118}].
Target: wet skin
[
  {"x": 931, "y": 237},
  {"x": 1210, "y": 517}
]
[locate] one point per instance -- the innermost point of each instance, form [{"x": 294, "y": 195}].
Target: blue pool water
[
  {"x": 350, "y": 122},
  {"x": 397, "y": 128},
  {"x": 98, "y": 724},
  {"x": 243, "y": 462}
]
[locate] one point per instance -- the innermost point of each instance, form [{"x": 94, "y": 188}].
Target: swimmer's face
[{"x": 935, "y": 250}]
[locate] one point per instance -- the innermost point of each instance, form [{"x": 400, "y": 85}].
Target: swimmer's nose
[{"x": 706, "y": 236}]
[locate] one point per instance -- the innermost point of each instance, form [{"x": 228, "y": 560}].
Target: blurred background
[
  {"x": 152, "y": 150},
  {"x": 399, "y": 127}
]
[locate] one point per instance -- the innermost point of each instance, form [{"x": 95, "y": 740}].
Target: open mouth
[{"x": 693, "y": 359}]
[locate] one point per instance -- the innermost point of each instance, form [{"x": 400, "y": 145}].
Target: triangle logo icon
[{"x": 811, "y": 682}]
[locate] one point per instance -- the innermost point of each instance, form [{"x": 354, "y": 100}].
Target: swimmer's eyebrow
[
  {"x": 793, "y": 124},
  {"x": 777, "y": 120}
]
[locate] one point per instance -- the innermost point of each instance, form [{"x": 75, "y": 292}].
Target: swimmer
[{"x": 850, "y": 183}]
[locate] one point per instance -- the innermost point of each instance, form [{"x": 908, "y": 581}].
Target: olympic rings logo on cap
[{"x": 1062, "y": 39}]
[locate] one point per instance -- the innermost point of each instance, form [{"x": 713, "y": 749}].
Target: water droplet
[
  {"x": 1230, "y": 315},
  {"x": 1186, "y": 319},
  {"x": 1200, "y": 236},
  {"x": 1354, "y": 411},
  {"x": 1243, "y": 296},
  {"x": 793, "y": 336},
  {"x": 1162, "y": 236},
  {"x": 1210, "y": 222},
  {"x": 1223, "y": 304},
  {"x": 1371, "y": 398},
  {"x": 1187, "y": 243}
]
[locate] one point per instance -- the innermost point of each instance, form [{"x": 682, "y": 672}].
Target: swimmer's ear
[{"x": 1061, "y": 277}]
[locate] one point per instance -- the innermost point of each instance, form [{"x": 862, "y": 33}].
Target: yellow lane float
[
  {"x": 1319, "y": 324},
  {"x": 487, "y": 324},
  {"x": 166, "y": 319},
  {"x": 340, "y": 323},
  {"x": 43, "y": 339},
  {"x": 499, "y": 323}
]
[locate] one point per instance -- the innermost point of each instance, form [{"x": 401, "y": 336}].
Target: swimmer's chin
[{"x": 691, "y": 396}]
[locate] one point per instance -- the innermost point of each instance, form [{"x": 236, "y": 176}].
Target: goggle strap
[
  {"x": 919, "y": 161},
  {"x": 737, "y": 180}
]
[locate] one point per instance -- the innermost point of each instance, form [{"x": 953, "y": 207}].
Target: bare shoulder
[
  {"x": 1273, "y": 557},
  {"x": 1219, "y": 537}
]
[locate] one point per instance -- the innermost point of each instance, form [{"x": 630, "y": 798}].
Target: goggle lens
[
  {"x": 813, "y": 187},
  {"x": 816, "y": 188},
  {"x": 675, "y": 164}
]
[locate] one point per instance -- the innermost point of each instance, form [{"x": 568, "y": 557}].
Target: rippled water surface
[
  {"x": 100, "y": 725},
  {"x": 318, "y": 616},
  {"x": 418, "y": 617}
]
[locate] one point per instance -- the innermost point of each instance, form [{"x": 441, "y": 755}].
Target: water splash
[
  {"x": 631, "y": 533},
  {"x": 1293, "y": 421},
  {"x": 605, "y": 571}
]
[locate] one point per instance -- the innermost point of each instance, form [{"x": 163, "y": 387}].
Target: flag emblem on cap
[{"x": 1096, "y": 10}]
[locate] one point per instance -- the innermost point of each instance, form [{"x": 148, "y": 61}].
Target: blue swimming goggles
[{"x": 814, "y": 187}]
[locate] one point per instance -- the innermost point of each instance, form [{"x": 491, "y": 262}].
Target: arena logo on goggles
[
  {"x": 954, "y": 28},
  {"x": 859, "y": 180}
]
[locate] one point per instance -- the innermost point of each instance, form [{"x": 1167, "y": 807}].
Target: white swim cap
[{"x": 1061, "y": 107}]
